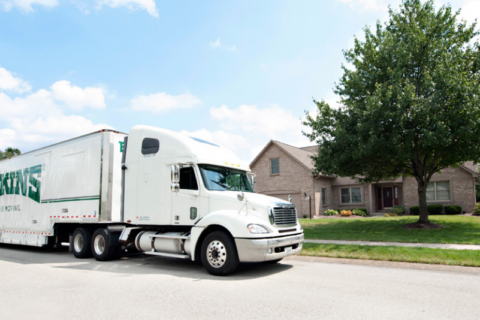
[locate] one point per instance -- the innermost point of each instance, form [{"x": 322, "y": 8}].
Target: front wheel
[{"x": 219, "y": 254}]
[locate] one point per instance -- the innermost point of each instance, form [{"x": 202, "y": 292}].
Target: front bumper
[{"x": 256, "y": 250}]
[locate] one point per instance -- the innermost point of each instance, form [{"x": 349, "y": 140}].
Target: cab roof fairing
[{"x": 204, "y": 152}]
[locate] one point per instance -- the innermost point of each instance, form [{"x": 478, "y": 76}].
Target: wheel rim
[
  {"x": 216, "y": 254},
  {"x": 78, "y": 242},
  {"x": 99, "y": 245}
]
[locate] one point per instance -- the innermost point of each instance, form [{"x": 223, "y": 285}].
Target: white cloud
[
  {"x": 26, "y": 5},
  {"x": 77, "y": 98},
  {"x": 7, "y": 138},
  {"x": 162, "y": 102},
  {"x": 148, "y": 5},
  {"x": 367, "y": 5},
  {"x": 217, "y": 44},
  {"x": 38, "y": 118},
  {"x": 271, "y": 121},
  {"x": 258, "y": 126},
  {"x": 470, "y": 10},
  {"x": 9, "y": 82}
]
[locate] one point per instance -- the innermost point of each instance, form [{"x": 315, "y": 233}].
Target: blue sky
[{"x": 238, "y": 73}]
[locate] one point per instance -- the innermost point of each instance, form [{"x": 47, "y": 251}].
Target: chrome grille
[{"x": 284, "y": 216}]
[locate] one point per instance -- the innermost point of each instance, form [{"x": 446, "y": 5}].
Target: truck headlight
[{"x": 255, "y": 228}]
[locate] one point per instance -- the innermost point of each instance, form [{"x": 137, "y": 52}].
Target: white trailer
[{"x": 153, "y": 191}]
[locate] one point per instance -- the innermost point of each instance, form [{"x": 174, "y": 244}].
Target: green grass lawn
[
  {"x": 456, "y": 229},
  {"x": 420, "y": 255}
]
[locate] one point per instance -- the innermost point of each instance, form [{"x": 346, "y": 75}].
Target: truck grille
[{"x": 285, "y": 216}]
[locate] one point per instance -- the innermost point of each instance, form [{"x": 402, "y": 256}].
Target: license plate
[{"x": 288, "y": 250}]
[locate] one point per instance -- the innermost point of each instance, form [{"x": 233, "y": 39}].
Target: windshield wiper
[{"x": 221, "y": 184}]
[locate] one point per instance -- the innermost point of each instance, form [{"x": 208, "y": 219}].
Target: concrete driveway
[{"x": 52, "y": 284}]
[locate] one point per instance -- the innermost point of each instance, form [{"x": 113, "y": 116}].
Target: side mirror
[
  {"x": 252, "y": 179},
  {"x": 175, "y": 186}
]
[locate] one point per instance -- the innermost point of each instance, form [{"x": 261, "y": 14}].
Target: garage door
[{"x": 296, "y": 200}]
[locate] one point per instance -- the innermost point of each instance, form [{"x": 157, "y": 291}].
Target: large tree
[
  {"x": 8, "y": 153},
  {"x": 410, "y": 100}
]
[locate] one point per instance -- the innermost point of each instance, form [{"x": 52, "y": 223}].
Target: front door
[{"x": 387, "y": 197}]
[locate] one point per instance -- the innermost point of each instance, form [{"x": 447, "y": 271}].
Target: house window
[
  {"x": 275, "y": 166},
  {"x": 438, "y": 191},
  {"x": 324, "y": 197},
  {"x": 351, "y": 195}
]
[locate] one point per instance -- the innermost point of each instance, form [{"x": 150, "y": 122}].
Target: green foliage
[
  {"x": 410, "y": 105},
  {"x": 357, "y": 212},
  {"x": 398, "y": 210},
  {"x": 415, "y": 210},
  {"x": 452, "y": 209},
  {"x": 476, "y": 210},
  {"x": 477, "y": 193},
  {"x": 304, "y": 216},
  {"x": 8, "y": 153},
  {"x": 331, "y": 212},
  {"x": 435, "y": 208},
  {"x": 362, "y": 209}
]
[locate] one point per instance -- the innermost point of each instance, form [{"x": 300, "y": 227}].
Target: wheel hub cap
[
  {"x": 99, "y": 245},
  {"x": 78, "y": 243},
  {"x": 216, "y": 254}
]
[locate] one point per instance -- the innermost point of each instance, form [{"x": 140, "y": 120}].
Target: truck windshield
[{"x": 224, "y": 179}]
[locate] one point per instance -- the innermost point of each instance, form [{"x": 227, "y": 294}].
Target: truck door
[{"x": 187, "y": 204}]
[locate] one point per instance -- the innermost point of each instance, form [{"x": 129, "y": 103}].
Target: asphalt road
[{"x": 45, "y": 284}]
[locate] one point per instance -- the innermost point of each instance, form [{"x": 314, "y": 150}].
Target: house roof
[
  {"x": 469, "y": 170},
  {"x": 301, "y": 155}
]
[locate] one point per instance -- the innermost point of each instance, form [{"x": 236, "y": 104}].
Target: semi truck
[{"x": 152, "y": 190}]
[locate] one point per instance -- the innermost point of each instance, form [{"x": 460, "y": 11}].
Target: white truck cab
[{"x": 178, "y": 196}]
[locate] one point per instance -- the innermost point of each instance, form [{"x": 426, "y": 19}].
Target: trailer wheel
[
  {"x": 102, "y": 249},
  {"x": 219, "y": 254},
  {"x": 81, "y": 240}
]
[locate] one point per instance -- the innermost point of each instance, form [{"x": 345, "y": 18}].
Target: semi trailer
[{"x": 153, "y": 191}]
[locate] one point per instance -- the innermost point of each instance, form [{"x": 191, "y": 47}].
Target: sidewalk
[{"x": 399, "y": 244}]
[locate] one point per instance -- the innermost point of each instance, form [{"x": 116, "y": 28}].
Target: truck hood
[{"x": 257, "y": 204}]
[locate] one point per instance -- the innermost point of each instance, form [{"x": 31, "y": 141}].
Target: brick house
[{"x": 282, "y": 170}]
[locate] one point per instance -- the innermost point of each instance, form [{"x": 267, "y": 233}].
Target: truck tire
[
  {"x": 219, "y": 254},
  {"x": 81, "y": 240},
  {"x": 102, "y": 249}
]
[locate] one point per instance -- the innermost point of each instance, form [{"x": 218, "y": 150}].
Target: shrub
[
  {"x": 476, "y": 210},
  {"x": 398, "y": 210},
  {"x": 415, "y": 210},
  {"x": 360, "y": 213},
  {"x": 346, "y": 213},
  {"x": 435, "y": 208},
  {"x": 391, "y": 214},
  {"x": 453, "y": 209},
  {"x": 304, "y": 216},
  {"x": 330, "y": 212},
  {"x": 362, "y": 209}
]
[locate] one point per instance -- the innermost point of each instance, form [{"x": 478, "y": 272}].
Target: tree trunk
[{"x": 422, "y": 201}]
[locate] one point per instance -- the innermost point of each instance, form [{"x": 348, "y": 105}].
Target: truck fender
[{"x": 230, "y": 220}]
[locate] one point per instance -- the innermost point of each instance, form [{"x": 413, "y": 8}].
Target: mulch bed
[{"x": 420, "y": 225}]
